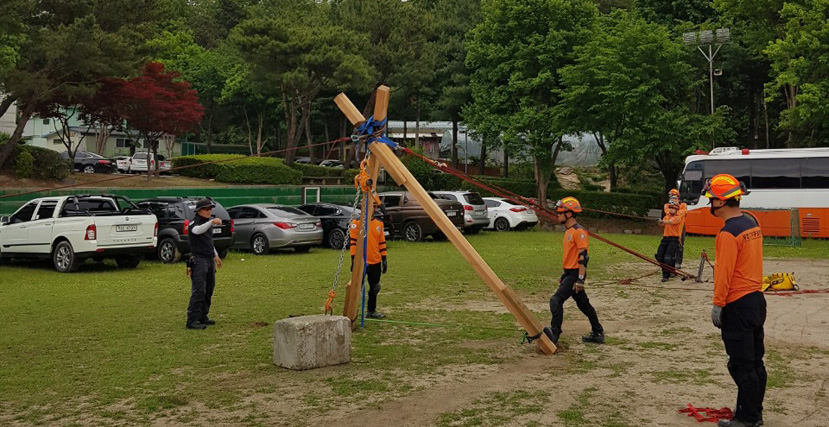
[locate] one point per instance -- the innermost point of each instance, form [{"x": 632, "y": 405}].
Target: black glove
[
  {"x": 385, "y": 265},
  {"x": 716, "y": 316}
]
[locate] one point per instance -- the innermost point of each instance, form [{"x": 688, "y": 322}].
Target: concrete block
[{"x": 309, "y": 342}]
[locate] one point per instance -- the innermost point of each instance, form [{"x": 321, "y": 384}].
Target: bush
[
  {"x": 25, "y": 164},
  {"x": 625, "y": 203},
  {"x": 246, "y": 170},
  {"x": 50, "y": 166},
  {"x": 314, "y": 170}
]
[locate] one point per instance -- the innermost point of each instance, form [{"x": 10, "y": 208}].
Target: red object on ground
[{"x": 707, "y": 414}]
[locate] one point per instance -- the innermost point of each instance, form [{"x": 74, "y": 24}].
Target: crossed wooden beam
[{"x": 381, "y": 154}]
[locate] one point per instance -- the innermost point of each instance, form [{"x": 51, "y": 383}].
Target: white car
[
  {"x": 123, "y": 163},
  {"x": 140, "y": 161},
  {"x": 475, "y": 216},
  {"x": 505, "y": 214},
  {"x": 336, "y": 164},
  {"x": 71, "y": 229}
]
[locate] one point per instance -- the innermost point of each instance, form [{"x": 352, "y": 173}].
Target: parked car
[
  {"x": 405, "y": 217},
  {"x": 336, "y": 164},
  {"x": 505, "y": 214},
  {"x": 264, "y": 227},
  {"x": 174, "y": 217},
  {"x": 474, "y": 209},
  {"x": 123, "y": 163},
  {"x": 302, "y": 160},
  {"x": 139, "y": 162},
  {"x": 87, "y": 162},
  {"x": 72, "y": 229},
  {"x": 334, "y": 220}
]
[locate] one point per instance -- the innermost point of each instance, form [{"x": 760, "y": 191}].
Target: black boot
[
  {"x": 207, "y": 321},
  {"x": 196, "y": 325},
  {"x": 737, "y": 423},
  {"x": 594, "y": 337},
  {"x": 375, "y": 315},
  {"x": 550, "y": 335}
]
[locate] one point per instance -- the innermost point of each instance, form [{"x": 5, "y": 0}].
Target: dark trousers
[
  {"x": 203, "y": 283},
  {"x": 373, "y": 273},
  {"x": 667, "y": 253},
  {"x": 681, "y": 250},
  {"x": 742, "y": 333},
  {"x": 565, "y": 291}
]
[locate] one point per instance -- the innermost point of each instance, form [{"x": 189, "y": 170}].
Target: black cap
[{"x": 205, "y": 204}]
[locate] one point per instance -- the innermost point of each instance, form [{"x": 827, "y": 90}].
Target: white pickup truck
[{"x": 72, "y": 229}]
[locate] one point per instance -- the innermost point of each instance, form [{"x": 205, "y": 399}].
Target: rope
[
  {"x": 540, "y": 209},
  {"x": 116, "y": 178}
]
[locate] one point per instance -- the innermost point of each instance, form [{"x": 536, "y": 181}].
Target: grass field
[{"x": 108, "y": 346}]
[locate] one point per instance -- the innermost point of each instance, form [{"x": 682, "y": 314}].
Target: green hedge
[
  {"x": 314, "y": 170},
  {"x": 250, "y": 170},
  {"x": 48, "y": 165},
  {"x": 625, "y": 203}
]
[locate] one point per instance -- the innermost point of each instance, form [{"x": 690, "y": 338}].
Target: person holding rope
[
  {"x": 739, "y": 307},
  {"x": 201, "y": 267},
  {"x": 669, "y": 246},
  {"x": 571, "y": 284},
  {"x": 376, "y": 263},
  {"x": 673, "y": 195}
]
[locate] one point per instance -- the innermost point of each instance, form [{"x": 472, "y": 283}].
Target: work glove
[
  {"x": 578, "y": 286},
  {"x": 385, "y": 265},
  {"x": 716, "y": 316}
]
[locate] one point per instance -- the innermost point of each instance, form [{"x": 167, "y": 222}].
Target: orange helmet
[
  {"x": 674, "y": 192},
  {"x": 724, "y": 187},
  {"x": 568, "y": 204}
]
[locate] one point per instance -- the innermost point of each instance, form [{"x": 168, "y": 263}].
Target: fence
[{"x": 781, "y": 227}]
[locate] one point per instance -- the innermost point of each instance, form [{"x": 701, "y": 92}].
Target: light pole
[
  {"x": 706, "y": 39},
  {"x": 466, "y": 151}
]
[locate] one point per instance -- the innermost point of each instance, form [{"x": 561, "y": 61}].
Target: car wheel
[
  {"x": 501, "y": 224},
  {"x": 259, "y": 244},
  {"x": 89, "y": 169},
  {"x": 129, "y": 262},
  {"x": 64, "y": 259},
  {"x": 336, "y": 239},
  {"x": 168, "y": 252},
  {"x": 223, "y": 253},
  {"x": 412, "y": 232},
  {"x": 302, "y": 249}
]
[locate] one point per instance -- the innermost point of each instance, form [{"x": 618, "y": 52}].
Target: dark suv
[
  {"x": 174, "y": 216},
  {"x": 407, "y": 219}
]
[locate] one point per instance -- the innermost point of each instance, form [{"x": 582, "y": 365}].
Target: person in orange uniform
[
  {"x": 669, "y": 246},
  {"x": 673, "y": 195},
  {"x": 376, "y": 263},
  {"x": 739, "y": 307},
  {"x": 571, "y": 284}
]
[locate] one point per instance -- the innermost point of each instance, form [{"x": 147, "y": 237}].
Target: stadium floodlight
[
  {"x": 723, "y": 35},
  {"x": 689, "y": 39},
  {"x": 706, "y": 37}
]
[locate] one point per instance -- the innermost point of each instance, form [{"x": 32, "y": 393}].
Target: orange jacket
[
  {"x": 376, "y": 250},
  {"x": 682, "y": 212},
  {"x": 673, "y": 225},
  {"x": 739, "y": 267},
  {"x": 575, "y": 241}
]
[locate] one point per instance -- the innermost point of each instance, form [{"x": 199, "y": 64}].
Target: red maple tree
[{"x": 157, "y": 103}]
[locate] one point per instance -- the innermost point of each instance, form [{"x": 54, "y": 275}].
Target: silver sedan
[{"x": 263, "y": 227}]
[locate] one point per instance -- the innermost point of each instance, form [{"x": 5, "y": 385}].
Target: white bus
[{"x": 779, "y": 179}]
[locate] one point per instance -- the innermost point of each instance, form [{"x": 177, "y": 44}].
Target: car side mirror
[{"x": 5, "y": 219}]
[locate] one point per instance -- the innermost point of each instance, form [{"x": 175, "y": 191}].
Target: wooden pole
[
  {"x": 347, "y": 107},
  {"x": 381, "y": 103}
]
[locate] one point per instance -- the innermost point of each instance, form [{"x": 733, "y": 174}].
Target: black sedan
[
  {"x": 91, "y": 163},
  {"x": 334, "y": 220}
]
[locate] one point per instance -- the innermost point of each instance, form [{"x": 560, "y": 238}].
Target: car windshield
[
  {"x": 473, "y": 199},
  {"x": 286, "y": 209},
  {"x": 94, "y": 156}
]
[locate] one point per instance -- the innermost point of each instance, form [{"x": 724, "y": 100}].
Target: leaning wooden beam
[
  {"x": 352, "y": 289},
  {"x": 507, "y": 296},
  {"x": 347, "y": 107},
  {"x": 381, "y": 103}
]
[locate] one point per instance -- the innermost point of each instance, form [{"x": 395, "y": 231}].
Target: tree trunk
[
  {"x": 543, "y": 170},
  {"x": 455, "y": 142},
  {"x": 290, "y": 108},
  {"x": 8, "y": 148},
  {"x": 417, "y": 122},
  {"x": 791, "y": 102},
  {"x": 259, "y": 142},
  {"x": 6, "y": 104},
  {"x": 506, "y": 164},
  {"x": 101, "y": 139},
  {"x": 611, "y": 165},
  {"x": 344, "y": 145},
  {"x": 482, "y": 165},
  {"x": 306, "y": 113},
  {"x": 250, "y": 131},
  {"x": 405, "y": 130}
]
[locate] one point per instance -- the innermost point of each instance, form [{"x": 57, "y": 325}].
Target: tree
[
  {"x": 800, "y": 66},
  {"x": 301, "y": 52},
  {"x": 103, "y": 111},
  {"x": 157, "y": 103},
  {"x": 515, "y": 53},
  {"x": 632, "y": 85}
]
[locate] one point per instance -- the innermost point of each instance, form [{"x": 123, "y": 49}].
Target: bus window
[
  {"x": 815, "y": 172},
  {"x": 690, "y": 185},
  {"x": 740, "y": 169},
  {"x": 775, "y": 173}
]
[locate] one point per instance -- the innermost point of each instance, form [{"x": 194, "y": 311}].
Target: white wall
[{"x": 7, "y": 121}]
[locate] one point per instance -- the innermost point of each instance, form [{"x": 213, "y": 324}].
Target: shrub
[
  {"x": 314, "y": 170},
  {"x": 49, "y": 165},
  {"x": 206, "y": 171},
  {"x": 246, "y": 170},
  {"x": 626, "y": 203},
  {"x": 25, "y": 164}
]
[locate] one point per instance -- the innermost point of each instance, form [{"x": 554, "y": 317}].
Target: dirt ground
[
  {"x": 662, "y": 353},
  {"x": 107, "y": 181}
]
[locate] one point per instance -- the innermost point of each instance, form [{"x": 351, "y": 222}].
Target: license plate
[
  {"x": 119, "y": 228},
  {"x": 306, "y": 226},
  {"x": 217, "y": 231},
  {"x": 451, "y": 213}
]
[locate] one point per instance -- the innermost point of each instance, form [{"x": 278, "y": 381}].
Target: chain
[{"x": 348, "y": 235}]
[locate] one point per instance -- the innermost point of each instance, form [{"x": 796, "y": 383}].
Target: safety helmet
[
  {"x": 724, "y": 187},
  {"x": 674, "y": 192},
  {"x": 568, "y": 204}
]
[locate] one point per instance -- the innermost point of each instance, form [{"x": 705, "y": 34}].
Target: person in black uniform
[{"x": 203, "y": 263}]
